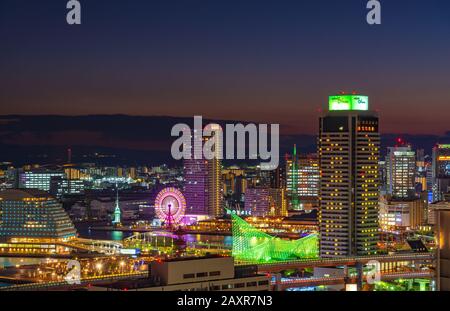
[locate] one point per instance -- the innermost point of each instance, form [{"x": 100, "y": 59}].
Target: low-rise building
[
  {"x": 401, "y": 214},
  {"x": 212, "y": 273}
]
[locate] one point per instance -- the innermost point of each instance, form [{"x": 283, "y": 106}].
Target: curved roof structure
[
  {"x": 30, "y": 213},
  {"x": 253, "y": 245}
]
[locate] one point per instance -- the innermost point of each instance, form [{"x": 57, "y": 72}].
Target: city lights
[{"x": 241, "y": 147}]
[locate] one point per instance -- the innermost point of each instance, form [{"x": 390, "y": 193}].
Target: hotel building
[
  {"x": 33, "y": 214},
  {"x": 348, "y": 149},
  {"x": 33, "y": 222},
  {"x": 203, "y": 181}
]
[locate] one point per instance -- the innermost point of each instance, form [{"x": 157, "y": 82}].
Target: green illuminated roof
[
  {"x": 251, "y": 244},
  {"x": 348, "y": 102}
]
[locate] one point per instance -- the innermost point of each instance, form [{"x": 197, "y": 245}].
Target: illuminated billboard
[{"x": 348, "y": 102}]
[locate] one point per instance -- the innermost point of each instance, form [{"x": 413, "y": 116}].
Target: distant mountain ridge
[{"x": 133, "y": 140}]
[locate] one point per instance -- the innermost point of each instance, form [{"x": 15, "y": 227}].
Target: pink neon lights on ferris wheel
[{"x": 170, "y": 206}]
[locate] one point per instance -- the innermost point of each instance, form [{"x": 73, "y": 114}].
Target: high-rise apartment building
[
  {"x": 308, "y": 177},
  {"x": 303, "y": 181},
  {"x": 348, "y": 149},
  {"x": 292, "y": 181},
  {"x": 400, "y": 172}
]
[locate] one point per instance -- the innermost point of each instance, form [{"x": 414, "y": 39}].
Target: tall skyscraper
[
  {"x": 443, "y": 247},
  {"x": 308, "y": 181},
  {"x": 292, "y": 180},
  {"x": 215, "y": 189},
  {"x": 203, "y": 183},
  {"x": 348, "y": 149},
  {"x": 429, "y": 179},
  {"x": 303, "y": 181},
  {"x": 400, "y": 172},
  {"x": 441, "y": 171},
  {"x": 195, "y": 188}
]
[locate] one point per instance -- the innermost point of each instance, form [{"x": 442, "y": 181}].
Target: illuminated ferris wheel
[{"x": 170, "y": 206}]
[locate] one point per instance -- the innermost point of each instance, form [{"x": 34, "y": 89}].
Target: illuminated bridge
[
  {"x": 48, "y": 248},
  {"x": 100, "y": 246}
]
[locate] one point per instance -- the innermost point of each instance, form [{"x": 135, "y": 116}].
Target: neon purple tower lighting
[{"x": 196, "y": 181}]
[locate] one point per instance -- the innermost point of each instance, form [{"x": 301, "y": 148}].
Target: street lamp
[{"x": 99, "y": 267}]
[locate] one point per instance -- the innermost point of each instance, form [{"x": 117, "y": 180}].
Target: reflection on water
[
  {"x": 13, "y": 261},
  {"x": 84, "y": 232},
  {"x": 117, "y": 235}
]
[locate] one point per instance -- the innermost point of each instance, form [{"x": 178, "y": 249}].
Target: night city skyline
[{"x": 225, "y": 153}]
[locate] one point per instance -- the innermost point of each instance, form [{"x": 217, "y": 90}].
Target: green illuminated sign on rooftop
[{"x": 348, "y": 102}]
